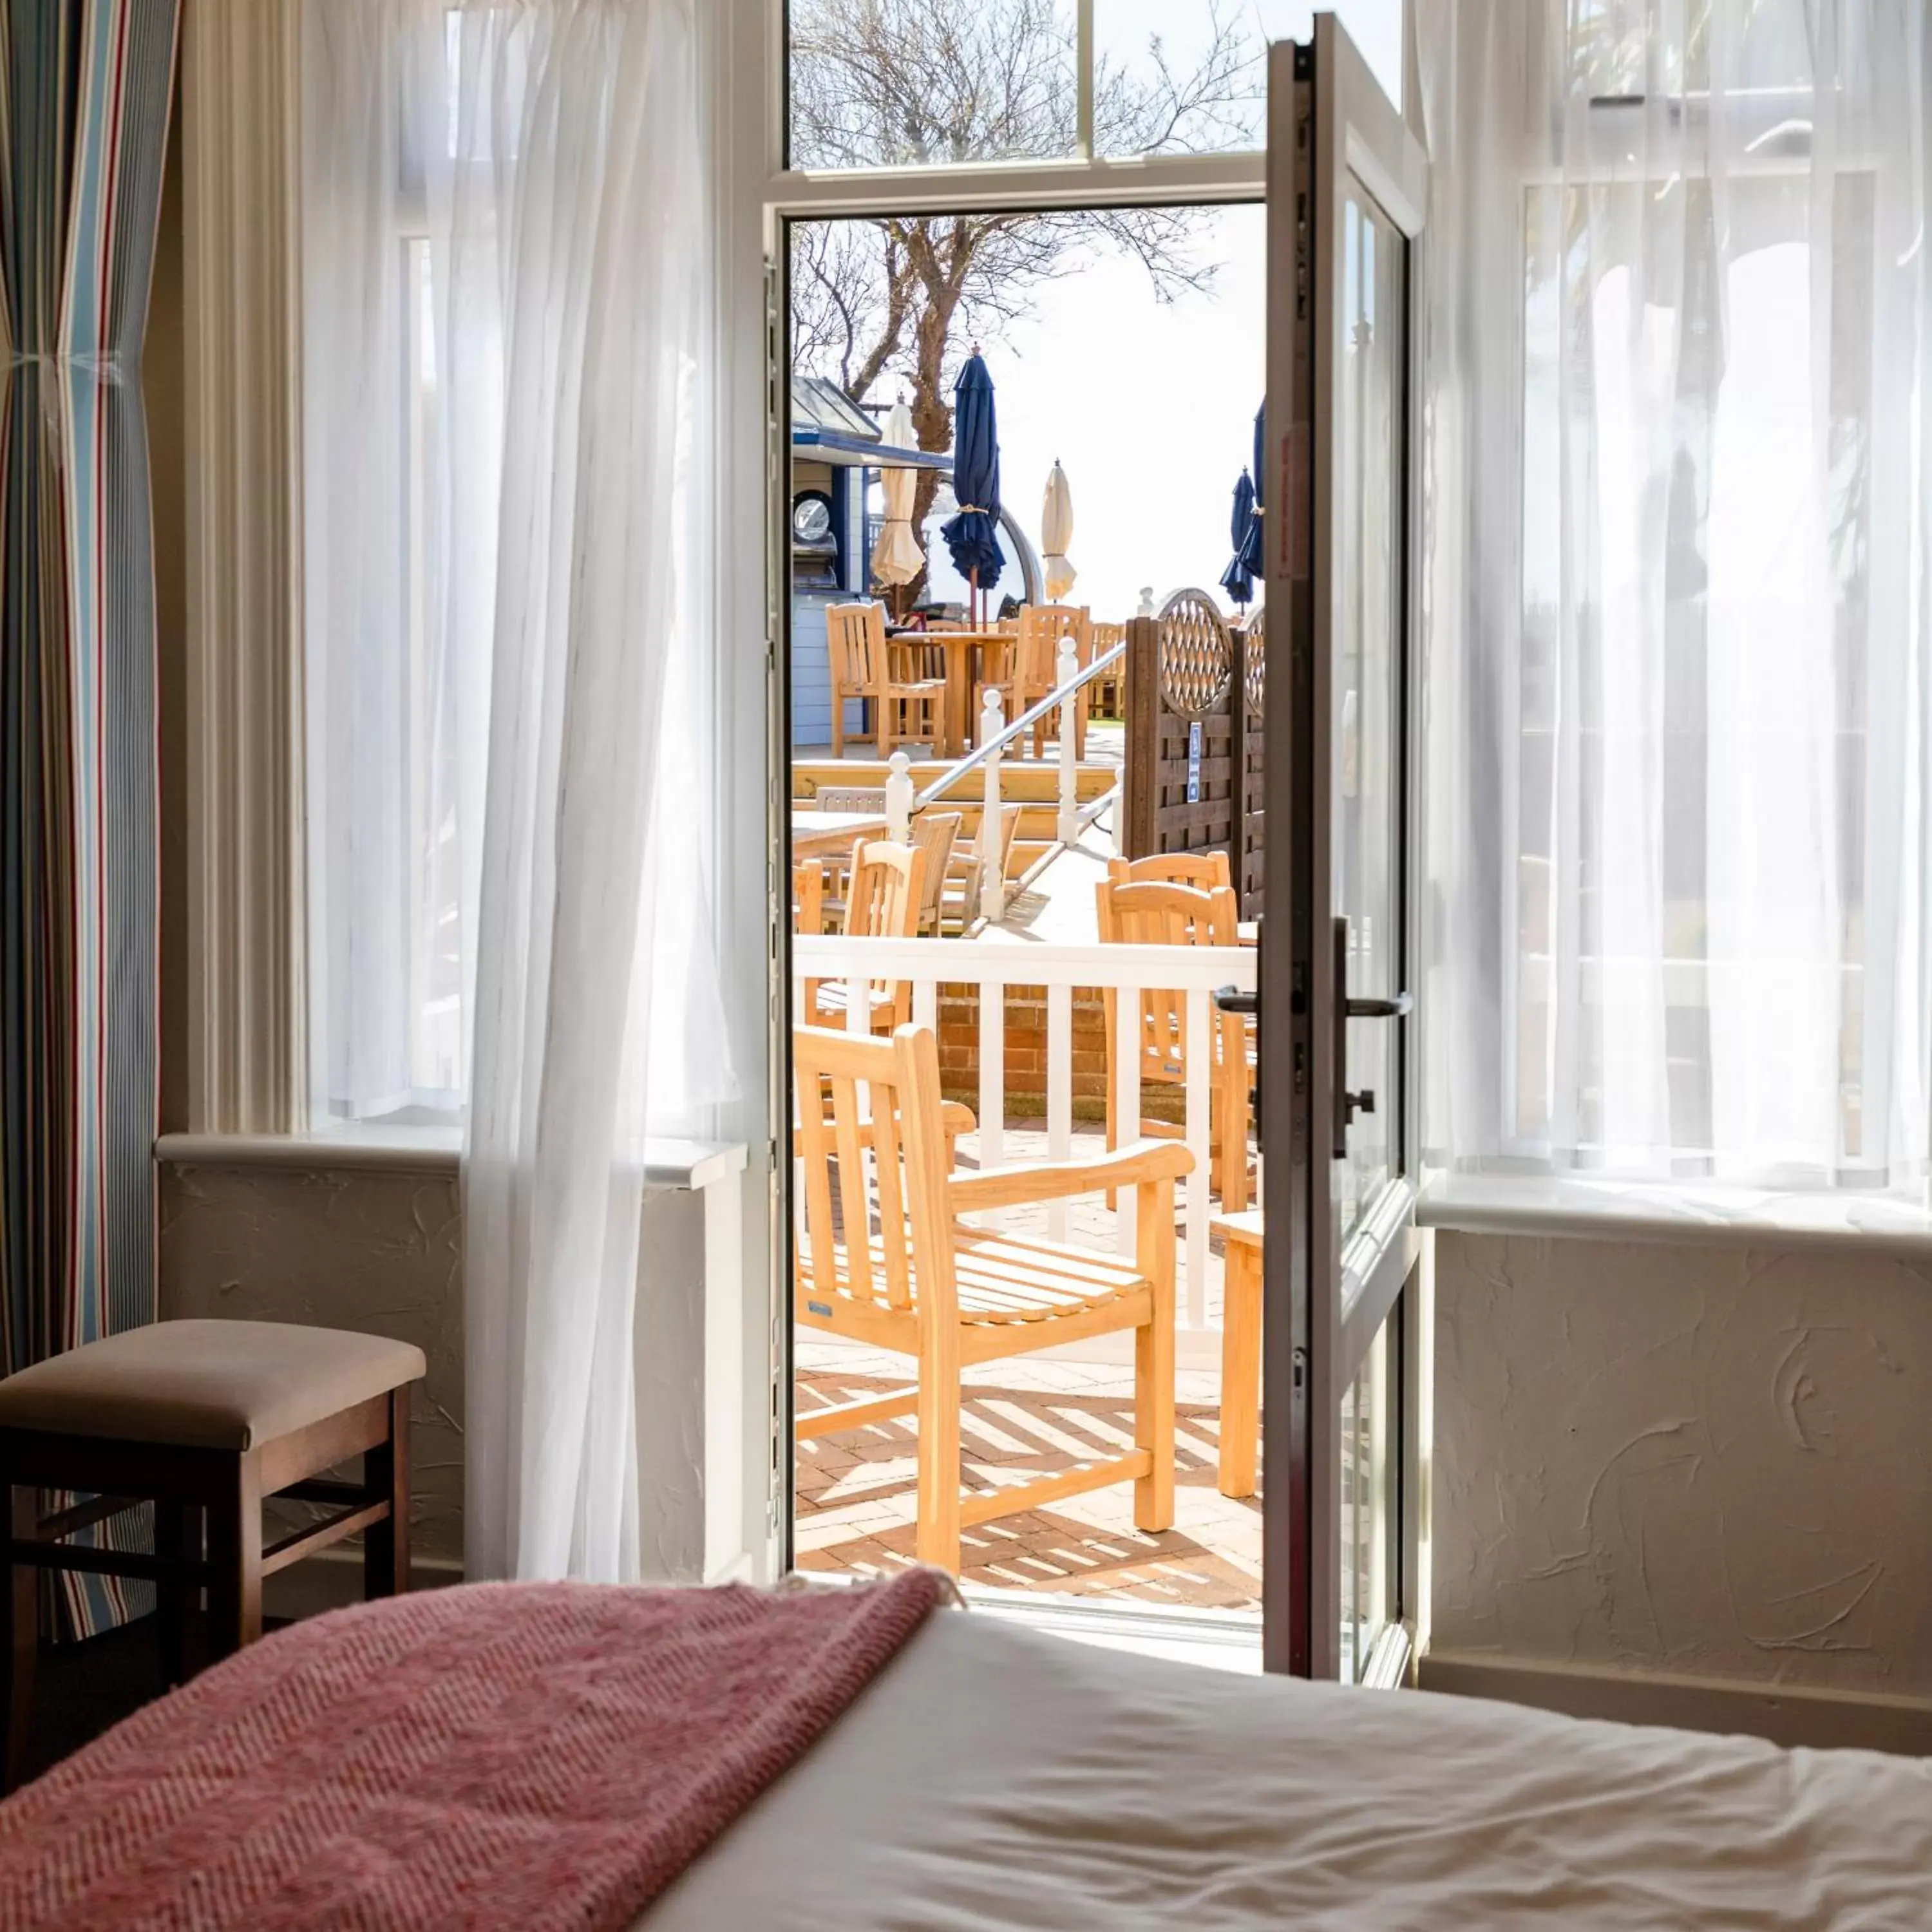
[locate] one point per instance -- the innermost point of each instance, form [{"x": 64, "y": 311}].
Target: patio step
[{"x": 1027, "y": 781}]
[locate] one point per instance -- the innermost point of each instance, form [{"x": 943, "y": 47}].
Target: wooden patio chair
[
  {"x": 1108, "y": 691},
  {"x": 935, "y": 833},
  {"x": 1025, "y": 670},
  {"x": 902, "y": 702},
  {"x": 959, "y": 894},
  {"x": 1171, "y": 915},
  {"x": 884, "y": 891},
  {"x": 884, "y": 1258}
]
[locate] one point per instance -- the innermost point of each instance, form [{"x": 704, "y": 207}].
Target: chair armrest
[{"x": 1144, "y": 1162}]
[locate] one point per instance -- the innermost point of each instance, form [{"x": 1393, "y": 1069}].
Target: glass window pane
[
  {"x": 1368, "y": 1507},
  {"x": 1190, "y": 76},
  {"x": 914, "y": 83},
  {"x": 1368, "y": 673}
]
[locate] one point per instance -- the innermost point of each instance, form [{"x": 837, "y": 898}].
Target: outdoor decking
[
  {"x": 1030, "y": 1418},
  {"x": 1026, "y": 1418}
]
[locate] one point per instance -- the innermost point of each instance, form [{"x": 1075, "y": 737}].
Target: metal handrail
[{"x": 935, "y": 792}]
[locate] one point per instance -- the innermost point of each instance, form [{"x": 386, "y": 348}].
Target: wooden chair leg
[
  {"x": 234, "y": 1561},
  {"x": 22, "y": 1601},
  {"x": 386, "y": 1472},
  {"x": 1233, "y": 1098},
  {"x": 838, "y": 721},
  {"x": 1154, "y": 1357},
  {"x": 938, "y": 1540},
  {"x": 1241, "y": 1369},
  {"x": 178, "y": 1590}
]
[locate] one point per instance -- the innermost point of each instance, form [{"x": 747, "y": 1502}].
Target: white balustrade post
[
  {"x": 898, "y": 799},
  {"x": 1067, "y": 669},
  {"x": 992, "y": 877}
]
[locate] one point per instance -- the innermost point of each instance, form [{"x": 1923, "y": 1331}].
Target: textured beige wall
[
  {"x": 1711, "y": 1460},
  {"x": 376, "y": 1251}
]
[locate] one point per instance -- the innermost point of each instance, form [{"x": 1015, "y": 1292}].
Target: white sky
[{"x": 1150, "y": 407}]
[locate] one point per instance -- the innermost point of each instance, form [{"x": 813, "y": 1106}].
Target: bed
[
  {"x": 572, "y": 1758},
  {"x": 992, "y": 1777}
]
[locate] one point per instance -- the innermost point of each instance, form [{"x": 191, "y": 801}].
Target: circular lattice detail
[
  {"x": 1254, "y": 663},
  {"x": 1197, "y": 654}
]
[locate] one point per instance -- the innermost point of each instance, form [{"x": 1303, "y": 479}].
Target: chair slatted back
[
  {"x": 935, "y": 833},
  {"x": 1206, "y": 871},
  {"x": 857, "y": 635},
  {"x": 807, "y": 897},
  {"x": 1165, "y": 915},
  {"x": 884, "y": 892},
  {"x": 1033, "y": 657},
  {"x": 873, "y": 1221}
]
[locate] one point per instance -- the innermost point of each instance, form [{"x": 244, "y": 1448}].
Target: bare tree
[{"x": 897, "y": 82}]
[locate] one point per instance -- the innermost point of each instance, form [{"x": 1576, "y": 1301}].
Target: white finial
[
  {"x": 1147, "y": 609},
  {"x": 899, "y": 798}
]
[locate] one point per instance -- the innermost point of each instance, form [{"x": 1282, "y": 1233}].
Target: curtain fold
[
  {"x": 511, "y": 666},
  {"x": 1678, "y": 319},
  {"x": 88, "y": 90}
]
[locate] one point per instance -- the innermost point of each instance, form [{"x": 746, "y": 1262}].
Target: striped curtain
[{"x": 85, "y": 86}]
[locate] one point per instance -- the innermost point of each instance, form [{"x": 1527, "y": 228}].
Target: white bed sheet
[{"x": 995, "y": 1778}]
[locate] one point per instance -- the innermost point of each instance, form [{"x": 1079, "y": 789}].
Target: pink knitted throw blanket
[{"x": 533, "y": 1756}]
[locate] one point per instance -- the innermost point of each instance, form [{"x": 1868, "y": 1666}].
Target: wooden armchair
[
  {"x": 884, "y": 893},
  {"x": 1025, "y": 670},
  {"x": 883, "y": 1259},
  {"x": 903, "y": 702},
  {"x": 959, "y": 894},
  {"x": 1176, "y": 915},
  {"x": 1107, "y": 693},
  {"x": 935, "y": 833}
]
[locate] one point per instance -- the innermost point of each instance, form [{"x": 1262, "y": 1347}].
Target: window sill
[
  {"x": 1568, "y": 1208},
  {"x": 419, "y": 1151}
]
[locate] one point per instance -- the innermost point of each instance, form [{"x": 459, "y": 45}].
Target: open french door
[{"x": 1341, "y": 1334}]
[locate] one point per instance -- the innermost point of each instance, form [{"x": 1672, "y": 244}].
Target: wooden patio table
[
  {"x": 959, "y": 647},
  {"x": 832, "y": 834}
]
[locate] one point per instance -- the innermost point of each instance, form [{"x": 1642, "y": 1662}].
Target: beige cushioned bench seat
[{"x": 206, "y": 1384}]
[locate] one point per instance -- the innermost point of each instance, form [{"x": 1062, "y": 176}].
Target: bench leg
[
  {"x": 234, "y": 1561},
  {"x": 22, "y": 1629},
  {"x": 385, "y": 1473},
  {"x": 178, "y": 1590}
]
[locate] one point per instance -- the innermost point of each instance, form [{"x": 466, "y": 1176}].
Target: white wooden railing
[
  {"x": 1071, "y": 818},
  {"x": 1193, "y": 971}
]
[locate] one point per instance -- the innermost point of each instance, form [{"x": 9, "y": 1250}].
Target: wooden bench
[{"x": 202, "y": 1420}]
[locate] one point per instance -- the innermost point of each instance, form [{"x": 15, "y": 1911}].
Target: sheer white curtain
[
  {"x": 1678, "y": 315},
  {"x": 526, "y": 212}
]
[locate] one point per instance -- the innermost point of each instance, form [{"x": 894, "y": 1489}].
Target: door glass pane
[
  {"x": 1368, "y": 721},
  {"x": 1189, "y": 76},
  {"x": 1367, "y": 1508},
  {"x": 932, "y": 86}
]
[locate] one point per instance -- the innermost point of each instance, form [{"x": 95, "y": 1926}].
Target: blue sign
[{"x": 1194, "y": 763}]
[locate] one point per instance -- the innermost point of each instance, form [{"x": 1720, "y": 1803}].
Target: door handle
[
  {"x": 1347, "y": 1105},
  {"x": 1399, "y": 1008}
]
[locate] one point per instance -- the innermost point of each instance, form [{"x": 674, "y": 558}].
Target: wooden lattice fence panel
[
  {"x": 1248, "y": 866},
  {"x": 1193, "y": 762}
]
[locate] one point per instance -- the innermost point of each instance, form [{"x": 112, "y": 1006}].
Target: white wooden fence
[{"x": 1193, "y": 971}]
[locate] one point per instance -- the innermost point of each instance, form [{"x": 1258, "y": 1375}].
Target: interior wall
[
  {"x": 377, "y": 1252},
  {"x": 1710, "y": 1459}
]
